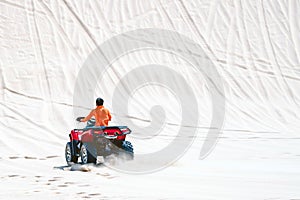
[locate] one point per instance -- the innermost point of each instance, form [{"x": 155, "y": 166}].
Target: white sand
[{"x": 255, "y": 46}]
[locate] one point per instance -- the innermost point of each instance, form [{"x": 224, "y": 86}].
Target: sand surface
[{"x": 251, "y": 47}]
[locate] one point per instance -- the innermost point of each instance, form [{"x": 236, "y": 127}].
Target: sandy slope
[{"x": 255, "y": 47}]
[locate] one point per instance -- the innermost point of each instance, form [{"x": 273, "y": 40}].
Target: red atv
[{"x": 92, "y": 142}]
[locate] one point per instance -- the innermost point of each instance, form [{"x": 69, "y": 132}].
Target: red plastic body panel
[
  {"x": 116, "y": 131},
  {"x": 74, "y": 135},
  {"x": 121, "y": 137},
  {"x": 87, "y": 135}
]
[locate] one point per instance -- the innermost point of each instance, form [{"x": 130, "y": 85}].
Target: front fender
[{"x": 87, "y": 136}]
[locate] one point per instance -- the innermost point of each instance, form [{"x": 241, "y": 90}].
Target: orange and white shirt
[{"x": 101, "y": 114}]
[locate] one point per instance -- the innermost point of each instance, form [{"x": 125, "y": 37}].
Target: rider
[{"x": 101, "y": 114}]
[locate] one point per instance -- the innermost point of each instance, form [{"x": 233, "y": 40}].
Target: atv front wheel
[
  {"x": 86, "y": 156},
  {"x": 69, "y": 154}
]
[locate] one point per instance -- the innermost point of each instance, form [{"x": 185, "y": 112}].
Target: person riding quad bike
[
  {"x": 97, "y": 139},
  {"x": 101, "y": 114}
]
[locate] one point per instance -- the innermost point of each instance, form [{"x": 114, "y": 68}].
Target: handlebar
[{"x": 79, "y": 119}]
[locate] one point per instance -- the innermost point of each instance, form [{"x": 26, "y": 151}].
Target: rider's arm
[
  {"x": 88, "y": 117},
  {"x": 109, "y": 115}
]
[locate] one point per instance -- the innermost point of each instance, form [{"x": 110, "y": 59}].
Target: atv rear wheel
[
  {"x": 69, "y": 154},
  {"x": 128, "y": 148},
  {"x": 86, "y": 155}
]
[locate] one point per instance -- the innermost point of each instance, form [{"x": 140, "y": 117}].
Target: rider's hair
[{"x": 99, "y": 101}]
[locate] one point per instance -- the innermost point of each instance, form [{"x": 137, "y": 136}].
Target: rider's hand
[{"x": 79, "y": 119}]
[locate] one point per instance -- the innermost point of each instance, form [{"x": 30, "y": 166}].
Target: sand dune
[{"x": 218, "y": 80}]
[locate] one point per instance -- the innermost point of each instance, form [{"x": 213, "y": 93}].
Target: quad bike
[{"x": 93, "y": 142}]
